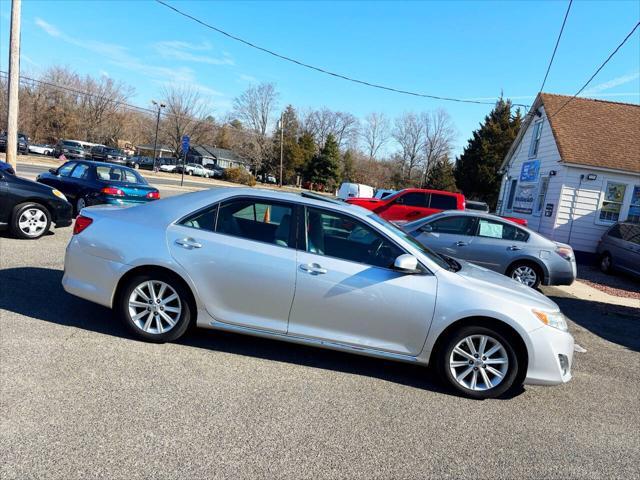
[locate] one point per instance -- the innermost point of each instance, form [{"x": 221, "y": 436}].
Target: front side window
[
  {"x": 340, "y": 236},
  {"x": 612, "y": 203},
  {"x": 259, "y": 220},
  {"x": 630, "y": 233},
  {"x": 462, "y": 225},
  {"x": 443, "y": 202},
  {"x": 502, "y": 231},
  {"x": 634, "y": 206},
  {"x": 414, "y": 199},
  {"x": 65, "y": 170},
  {"x": 535, "y": 139}
]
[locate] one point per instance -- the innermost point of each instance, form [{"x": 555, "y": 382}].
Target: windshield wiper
[{"x": 453, "y": 265}]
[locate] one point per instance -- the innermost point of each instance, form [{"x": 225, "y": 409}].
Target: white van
[{"x": 353, "y": 190}]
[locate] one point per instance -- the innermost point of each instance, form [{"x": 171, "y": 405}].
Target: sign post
[{"x": 185, "y": 149}]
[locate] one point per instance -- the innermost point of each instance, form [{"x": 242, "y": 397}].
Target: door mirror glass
[{"x": 406, "y": 263}]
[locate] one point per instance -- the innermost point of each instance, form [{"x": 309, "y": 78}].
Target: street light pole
[
  {"x": 155, "y": 141},
  {"x": 14, "y": 84},
  {"x": 281, "y": 145}
]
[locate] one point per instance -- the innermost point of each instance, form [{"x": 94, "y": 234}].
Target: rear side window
[
  {"x": 202, "y": 220},
  {"x": 81, "y": 171},
  {"x": 414, "y": 199},
  {"x": 502, "y": 231},
  {"x": 615, "y": 231},
  {"x": 453, "y": 225},
  {"x": 443, "y": 202},
  {"x": 258, "y": 220},
  {"x": 108, "y": 173},
  {"x": 630, "y": 233}
]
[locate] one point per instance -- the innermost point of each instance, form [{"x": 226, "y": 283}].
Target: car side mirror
[
  {"x": 426, "y": 228},
  {"x": 406, "y": 263},
  {"x": 54, "y": 171}
]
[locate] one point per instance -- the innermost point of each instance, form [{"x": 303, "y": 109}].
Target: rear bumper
[
  {"x": 63, "y": 214},
  {"x": 562, "y": 277},
  {"x": 545, "y": 363}
]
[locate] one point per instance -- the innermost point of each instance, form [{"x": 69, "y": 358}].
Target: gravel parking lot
[{"x": 81, "y": 399}]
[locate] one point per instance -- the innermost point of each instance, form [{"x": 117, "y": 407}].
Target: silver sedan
[
  {"x": 310, "y": 270},
  {"x": 498, "y": 244}
]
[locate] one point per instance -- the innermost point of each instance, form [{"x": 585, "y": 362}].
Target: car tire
[
  {"x": 605, "y": 263},
  {"x": 527, "y": 273},
  {"x": 154, "y": 325},
  {"x": 136, "y": 166},
  {"x": 30, "y": 221},
  {"x": 81, "y": 203},
  {"x": 467, "y": 374}
]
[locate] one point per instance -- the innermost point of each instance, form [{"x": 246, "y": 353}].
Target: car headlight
[
  {"x": 553, "y": 319},
  {"x": 59, "y": 194},
  {"x": 65, "y": 150}
]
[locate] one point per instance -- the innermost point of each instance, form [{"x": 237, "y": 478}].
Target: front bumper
[{"x": 545, "y": 364}]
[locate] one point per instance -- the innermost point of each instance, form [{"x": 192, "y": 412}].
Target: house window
[
  {"x": 612, "y": 203},
  {"x": 512, "y": 194},
  {"x": 542, "y": 193},
  {"x": 535, "y": 139},
  {"x": 634, "y": 206}
]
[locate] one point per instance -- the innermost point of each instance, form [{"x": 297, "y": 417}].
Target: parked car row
[{"x": 23, "y": 143}]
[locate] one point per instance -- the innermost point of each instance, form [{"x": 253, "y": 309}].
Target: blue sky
[{"x": 460, "y": 49}]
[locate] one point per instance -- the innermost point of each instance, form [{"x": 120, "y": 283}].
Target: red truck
[{"x": 411, "y": 204}]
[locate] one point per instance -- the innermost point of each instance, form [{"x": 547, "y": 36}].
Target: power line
[
  {"x": 319, "y": 69},
  {"x": 598, "y": 70},
  {"x": 557, "y": 43}
]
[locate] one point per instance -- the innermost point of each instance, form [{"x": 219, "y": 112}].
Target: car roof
[
  {"x": 97, "y": 164},
  {"x": 460, "y": 213}
]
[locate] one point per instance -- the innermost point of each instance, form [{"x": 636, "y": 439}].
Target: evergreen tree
[
  {"x": 292, "y": 155},
  {"x": 476, "y": 170},
  {"x": 307, "y": 149},
  {"x": 323, "y": 169},
  {"x": 441, "y": 176},
  {"x": 347, "y": 172}
]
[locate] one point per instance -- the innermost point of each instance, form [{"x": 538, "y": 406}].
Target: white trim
[
  {"x": 602, "y": 169},
  {"x": 624, "y": 205}
]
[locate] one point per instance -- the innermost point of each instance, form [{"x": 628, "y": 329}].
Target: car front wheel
[
  {"x": 30, "y": 221},
  {"x": 155, "y": 307},
  {"x": 605, "y": 263},
  {"x": 478, "y": 362}
]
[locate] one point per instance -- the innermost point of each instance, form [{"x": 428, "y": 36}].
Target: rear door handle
[
  {"x": 313, "y": 269},
  {"x": 188, "y": 243},
  {"x": 514, "y": 247},
  {"x": 461, "y": 244}
]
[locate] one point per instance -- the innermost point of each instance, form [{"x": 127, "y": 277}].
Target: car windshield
[
  {"x": 108, "y": 173},
  {"x": 114, "y": 151},
  {"x": 426, "y": 251},
  {"x": 71, "y": 144}
]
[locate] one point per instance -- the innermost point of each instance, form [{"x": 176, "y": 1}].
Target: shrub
[{"x": 239, "y": 175}]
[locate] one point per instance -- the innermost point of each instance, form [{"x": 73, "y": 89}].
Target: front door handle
[
  {"x": 313, "y": 269},
  {"x": 188, "y": 243},
  {"x": 461, "y": 244},
  {"x": 514, "y": 247}
]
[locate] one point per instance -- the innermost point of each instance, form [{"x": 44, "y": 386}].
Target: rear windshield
[
  {"x": 115, "y": 174},
  {"x": 71, "y": 144},
  {"x": 443, "y": 202}
]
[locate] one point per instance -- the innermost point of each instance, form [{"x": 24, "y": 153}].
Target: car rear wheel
[
  {"x": 478, "y": 362},
  {"x": 526, "y": 273},
  {"x": 155, "y": 307},
  {"x": 30, "y": 221},
  {"x": 605, "y": 263},
  {"x": 80, "y": 204}
]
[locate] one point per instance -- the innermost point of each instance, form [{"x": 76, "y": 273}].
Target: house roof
[
  {"x": 218, "y": 153},
  {"x": 595, "y": 132}
]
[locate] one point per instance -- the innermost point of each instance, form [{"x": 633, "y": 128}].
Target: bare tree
[
  {"x": 185, "y": 114},
  {"x": 342, "y": 125},
  {"x": 439, "y": 135},
  {"x": 375, "y": 133},
  {"x": 409, "y": 132}
]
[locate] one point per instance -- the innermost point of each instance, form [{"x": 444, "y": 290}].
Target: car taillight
[
  {"x": 112, "y": 191},
  {"x": 81, "y": 224},
  {"x": 565, "y": 253},
  {"x": 153, "y": 195}
]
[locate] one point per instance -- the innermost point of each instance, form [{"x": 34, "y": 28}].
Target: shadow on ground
[
  {"x": 615, "y": 323},
  {"x": 38, "y": 293}
]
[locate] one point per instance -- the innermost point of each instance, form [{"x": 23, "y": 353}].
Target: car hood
[
  {"x": 496, "y": 284},
  {"x": 41, "y": 187}
]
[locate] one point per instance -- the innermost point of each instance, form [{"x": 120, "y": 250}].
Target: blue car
[{"x": 87, "y": 183}]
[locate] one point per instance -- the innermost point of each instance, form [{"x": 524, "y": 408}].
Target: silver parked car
[
  {"x": 315, "y": 271},
  {"x": 498, "y": 244},
  {"x": 619, "y": 248}
]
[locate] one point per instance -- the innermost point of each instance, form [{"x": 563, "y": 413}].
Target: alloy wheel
[
  {"x": 80, "y": 204},
  {"x": 525, "y": 275},
  {"x": 154, "y": 307},
  {"x": 479, "y": 362},
  {"x": 32, "y": 222}
]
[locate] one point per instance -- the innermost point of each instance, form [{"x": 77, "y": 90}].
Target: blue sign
[
  {"x": 185, "y": 143},
  {"x": 530, "y": 171}
]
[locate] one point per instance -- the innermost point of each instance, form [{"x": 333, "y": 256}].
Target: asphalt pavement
[{"x": 81, "y": 399}]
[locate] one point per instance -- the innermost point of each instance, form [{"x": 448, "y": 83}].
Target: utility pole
[
  {"x": 155, "y": 141},
  {"x": 14, "y": 84},
  {"x": 281, "y": 144}
]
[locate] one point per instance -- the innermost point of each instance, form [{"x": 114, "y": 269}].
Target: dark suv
[
  {"x": 23, "y": 143},
  {"x": 69, "y": 148},
  {"x": 100, "y": 153}
]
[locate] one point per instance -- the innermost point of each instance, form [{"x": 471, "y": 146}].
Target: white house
[{"x": 574, "y": 169}]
